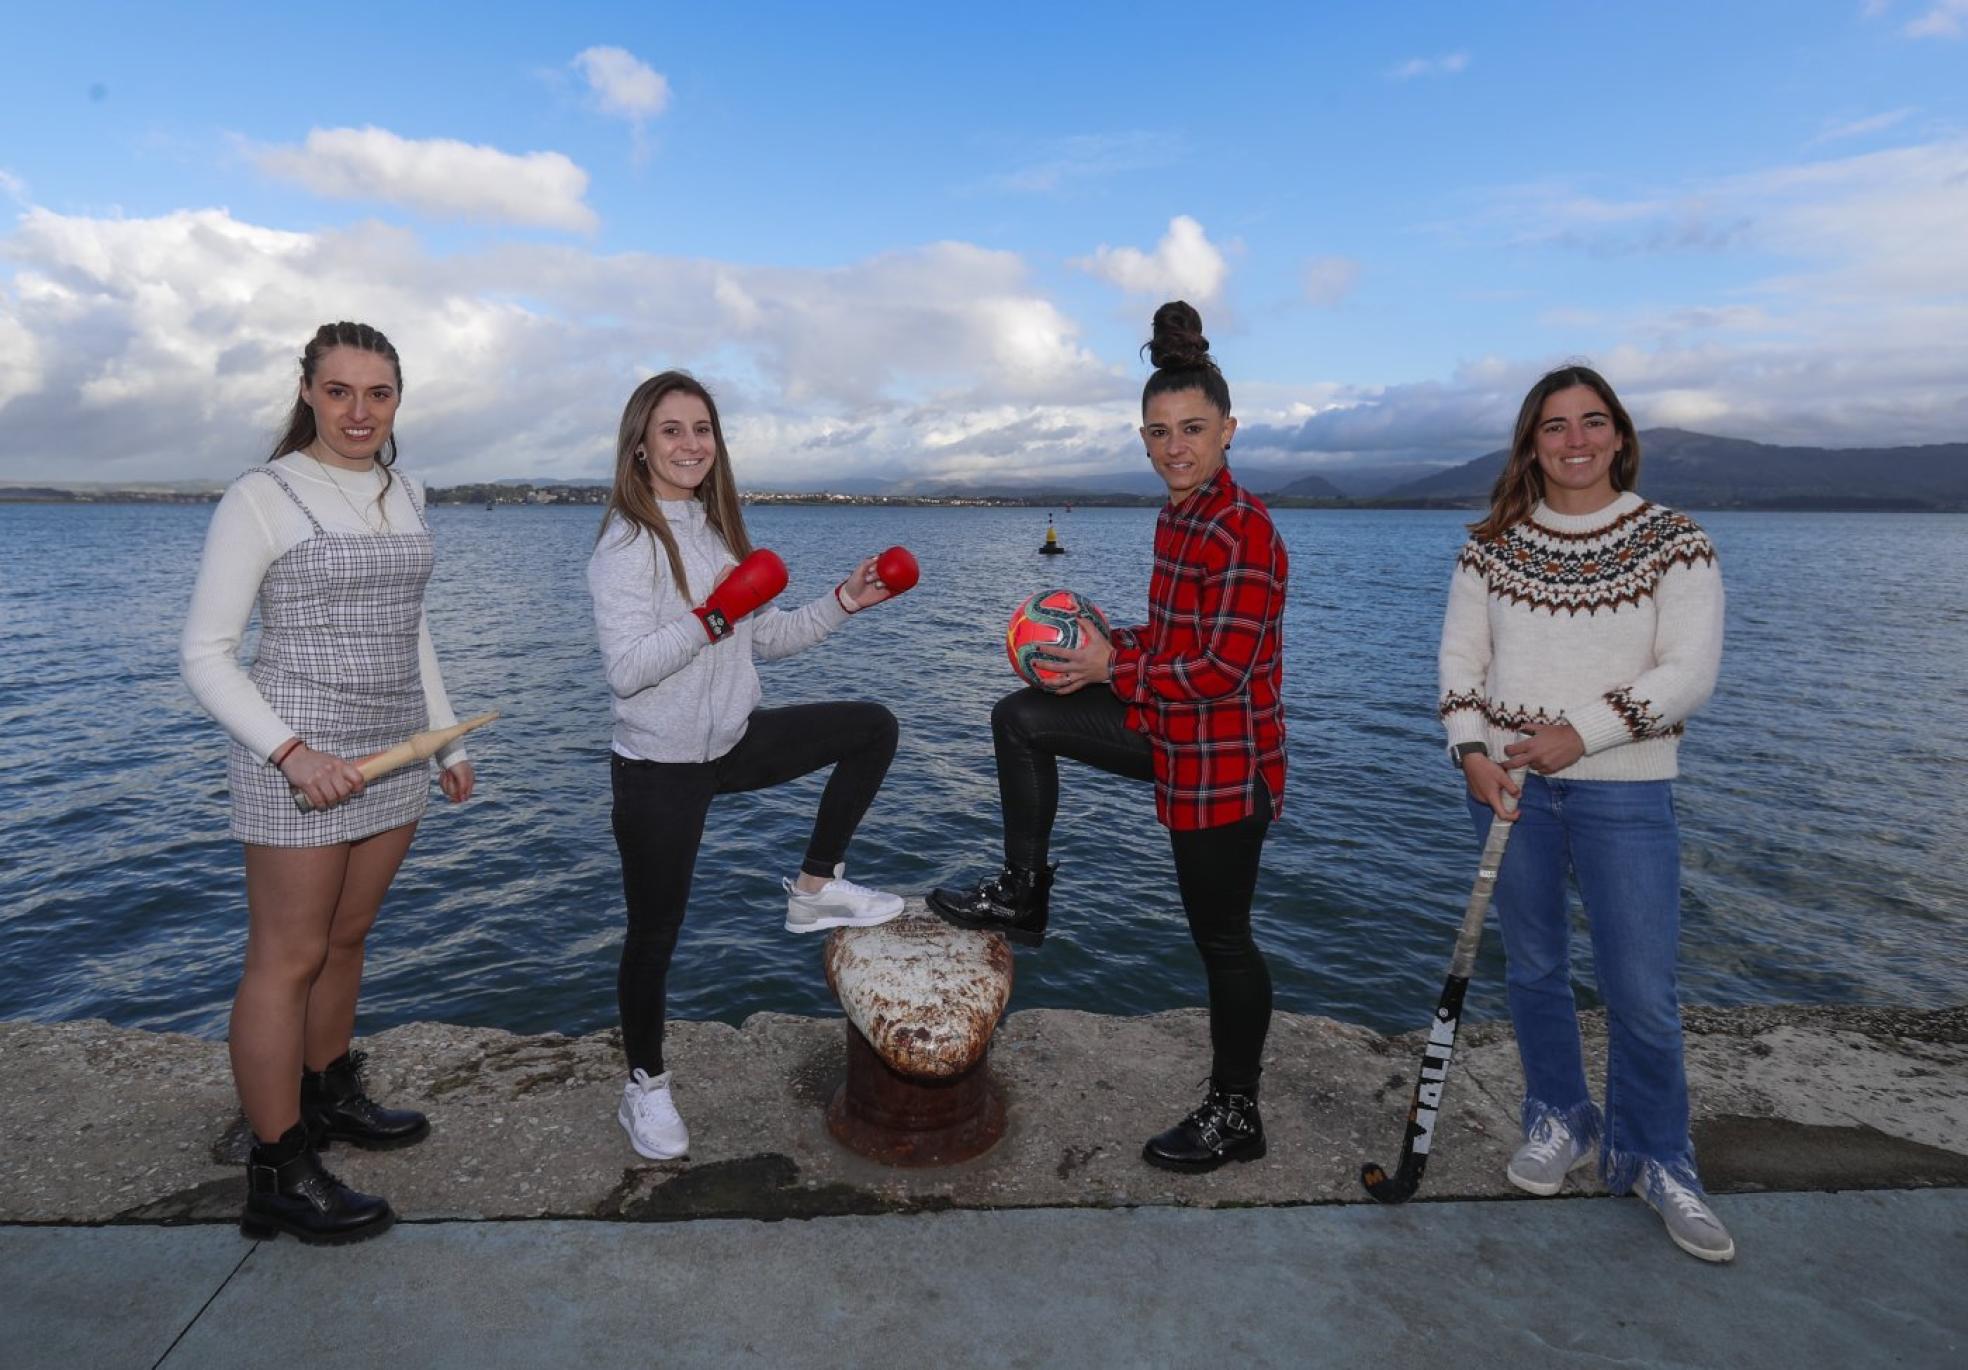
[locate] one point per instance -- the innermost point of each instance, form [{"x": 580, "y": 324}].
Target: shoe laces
[
  {"x": 840, "y": 884},
  {"x": 649, "y": 1098},
  {"x": 1663, "y": 1187},
  {"x": 1548, "y": 1140}
]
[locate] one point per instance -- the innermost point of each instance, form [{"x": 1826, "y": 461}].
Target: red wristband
[{"x": 281, "y": 754}]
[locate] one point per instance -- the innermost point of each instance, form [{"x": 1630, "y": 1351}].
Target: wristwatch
[{"x": 1462, "y": 749}]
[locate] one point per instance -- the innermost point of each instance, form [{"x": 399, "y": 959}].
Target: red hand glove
[
  {"x": 897, "y": 570},
  {"x": 751, "y": 583}
]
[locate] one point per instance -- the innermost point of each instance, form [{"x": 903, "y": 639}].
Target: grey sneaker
[
  {"x": 1547, "y": 1156},
  {"x": 1690, "y": 1221},
  {"x": 840, "y": 903}
]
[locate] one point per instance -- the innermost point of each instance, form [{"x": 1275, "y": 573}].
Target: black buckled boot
[
  {"x": 1226, "y": 1128},
  {"x": 1015, "y": 903},
  {"x": 336, "y": 1109},
  {"x": 288, "y": 1191}
]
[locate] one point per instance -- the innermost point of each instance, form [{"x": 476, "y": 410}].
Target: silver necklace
[{"x": 360, "y": 517}]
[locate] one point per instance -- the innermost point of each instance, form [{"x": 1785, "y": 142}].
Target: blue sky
[{"x": 922, "y": 242}]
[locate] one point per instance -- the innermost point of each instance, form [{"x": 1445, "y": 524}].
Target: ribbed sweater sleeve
[
  {"x": 1463, "y": 663},
  {"x": 239, "y": 547},
  {"x": 437, "y": 701}
]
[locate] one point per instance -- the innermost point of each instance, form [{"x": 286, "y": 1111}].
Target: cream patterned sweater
[{"x": 1609, "y": 621}]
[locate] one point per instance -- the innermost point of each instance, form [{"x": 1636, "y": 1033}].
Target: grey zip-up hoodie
[{"x": 677, "y": 696}]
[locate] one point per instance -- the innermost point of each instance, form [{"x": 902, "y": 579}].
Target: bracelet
[
  {"x": 840, "y": 598},
  {"x": 281, "y": 753}
]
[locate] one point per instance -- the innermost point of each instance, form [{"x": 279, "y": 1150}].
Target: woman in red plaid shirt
[{"x": 1189, "y": 700}]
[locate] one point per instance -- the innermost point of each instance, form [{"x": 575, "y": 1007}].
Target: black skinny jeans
[
  {"x": 1215, "y": 868},
  {"x": 658, "y": 819}
]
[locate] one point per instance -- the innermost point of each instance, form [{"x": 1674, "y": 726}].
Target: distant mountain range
[
  {"x": 1701, "y": 471},
  {"x": 1678, "y": 467}
]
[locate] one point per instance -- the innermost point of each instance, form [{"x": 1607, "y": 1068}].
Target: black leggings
[
  {"x": 1215, "y": 868},
  {"x": 658, "y": 819}
]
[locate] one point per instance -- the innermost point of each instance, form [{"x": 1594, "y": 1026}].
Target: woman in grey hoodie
[{"x": 680, "y": 600}]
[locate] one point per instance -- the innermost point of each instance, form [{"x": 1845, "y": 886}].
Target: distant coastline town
[
  {"x": 1680, "y": 468},
  {"x": 522, "y": 494}
]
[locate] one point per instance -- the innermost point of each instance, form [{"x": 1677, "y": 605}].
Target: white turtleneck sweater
[
  {"x": 253, "y": 527},
  {"x": 1610, "y": 621},
  {"x": 676, "y": 695}
]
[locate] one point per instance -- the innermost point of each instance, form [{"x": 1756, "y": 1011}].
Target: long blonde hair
[
  {"x": 634, "y": 503},
  {"x": 1521, "y": 485}
]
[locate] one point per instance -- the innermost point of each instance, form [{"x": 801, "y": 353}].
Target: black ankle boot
[
  {"x": 1015, "y": 903},
  {"x": 1225, "y": 1128},
  {"x": 335, "y": 1109},
  {"x": 288, "y": 1191}
]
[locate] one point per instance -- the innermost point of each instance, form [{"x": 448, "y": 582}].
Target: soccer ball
[{"x": 1051, "y": 618}]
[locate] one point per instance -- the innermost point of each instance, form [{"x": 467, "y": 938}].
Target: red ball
[
  {"x": 897, "y": 569},
  {"x": 1051, "y": 618}
]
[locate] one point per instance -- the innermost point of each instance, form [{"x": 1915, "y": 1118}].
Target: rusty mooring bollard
[{"x": 922, "y": 1000}]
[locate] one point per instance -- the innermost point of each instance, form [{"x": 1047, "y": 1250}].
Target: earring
[{"x": 640, "y": 457}]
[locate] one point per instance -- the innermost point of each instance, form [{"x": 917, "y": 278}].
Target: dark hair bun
[{"x": 1178, "y": 343}]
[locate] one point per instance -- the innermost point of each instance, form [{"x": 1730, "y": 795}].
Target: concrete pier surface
[
  {"x": 1837, "y": 1280},
  {"x": 1835, "y": 1139}
]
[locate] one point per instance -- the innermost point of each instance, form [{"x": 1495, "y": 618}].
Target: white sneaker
[
  {"x": 1547, "y": 1156},
  {"x": 649, "y": 1116},
  {"x": 1690, "y": 1221},
  {"x": 840, "y": 903}
]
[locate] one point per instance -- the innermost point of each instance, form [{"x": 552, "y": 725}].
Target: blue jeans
[{"x": 1619, "y": 840}]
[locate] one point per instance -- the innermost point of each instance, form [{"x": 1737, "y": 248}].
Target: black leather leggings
[
  {"x": 1215, "y": 868},
  {"x": 658, "y": 819}
]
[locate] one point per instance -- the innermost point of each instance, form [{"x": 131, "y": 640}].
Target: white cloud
[
  {"x": 20, "y": 361},
  {"x": 1446, "y": 65},
  {"x": 1858, "y": 128},
  {"x": 1887, "y": 221},
  {"x": 947, "y": 361},
  {"x": 1328, "y": 280},
  {"x": 1184, "y": 264},
  {"x": 1944, "y": 20},
  {"x": 13, "y": 187},
  {"x": 622, "y": 84},
  {"x": 438, "y": 177},
  {"x": 109, "y": 318}
]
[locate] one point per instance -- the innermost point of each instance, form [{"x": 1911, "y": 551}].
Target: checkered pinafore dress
[{"x": 337, "y": 661}]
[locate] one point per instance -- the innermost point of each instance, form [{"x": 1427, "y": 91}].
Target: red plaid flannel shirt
[{"x": 1202, "y": 677}]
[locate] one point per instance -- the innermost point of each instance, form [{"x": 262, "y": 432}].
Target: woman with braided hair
[
  {"x": 334, "y": 547},
  {"x": 1584, "y": 627},
  {"x": 1190, "y": 700}
]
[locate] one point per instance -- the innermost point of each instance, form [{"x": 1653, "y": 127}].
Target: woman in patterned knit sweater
[
  {"x": 1584, "y": 626},
  {"x": 336, "y": 551}
]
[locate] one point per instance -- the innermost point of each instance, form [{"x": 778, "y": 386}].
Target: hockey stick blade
[
  {"x": 1435, "y": 1056},
  {"x": 1426, "y": 1107}
]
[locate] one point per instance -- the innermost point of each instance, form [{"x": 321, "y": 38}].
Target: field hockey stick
[
  {"x": 412, "y": 749},
  {"x": 1426, "y": 1109}
]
